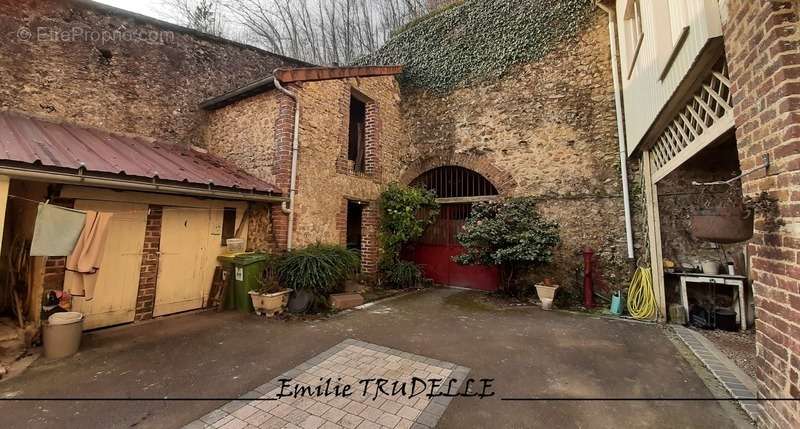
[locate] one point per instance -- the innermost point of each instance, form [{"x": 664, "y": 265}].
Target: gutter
[
  {"x": 71, "y": 178},
  {"x": 252, "y": 88},
  {"x": 289, "y": 209},
  {"x": 623, "y": 151}
]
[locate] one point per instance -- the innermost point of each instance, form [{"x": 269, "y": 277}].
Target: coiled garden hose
[{"x": 641, "y": 297}]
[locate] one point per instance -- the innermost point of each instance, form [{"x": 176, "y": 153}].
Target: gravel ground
[{"x": 740, "y": 347}]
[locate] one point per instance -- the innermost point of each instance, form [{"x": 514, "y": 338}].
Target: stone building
[{"x": 103, "y": 70}]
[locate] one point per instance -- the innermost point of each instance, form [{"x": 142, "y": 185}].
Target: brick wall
[
  {"x": 761, "y": 43},
  {"x": 148, "y": 271},
  {"x": 55, "y": 266},
  {"x": 92, "y": 65}
]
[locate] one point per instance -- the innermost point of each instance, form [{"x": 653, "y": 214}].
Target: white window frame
[
  {"x": 634, "y": 33},
  {"x": 678, "y": 27}
]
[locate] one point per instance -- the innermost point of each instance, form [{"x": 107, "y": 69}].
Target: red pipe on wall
[{"x": 588, "y": 293}]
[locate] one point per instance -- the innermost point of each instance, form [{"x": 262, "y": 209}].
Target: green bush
[
  {"x": 509, "y": 233},
  {"x": 318, "y": 268},
  {"x": 405, "y": 212},
  {"x": 402, "y": 274}
]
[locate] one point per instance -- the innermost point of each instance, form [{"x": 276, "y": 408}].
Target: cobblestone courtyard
[{"x": 368, "y": 406}]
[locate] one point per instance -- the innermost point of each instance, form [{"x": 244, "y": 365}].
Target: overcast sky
[{"x": 154, "y": 8}]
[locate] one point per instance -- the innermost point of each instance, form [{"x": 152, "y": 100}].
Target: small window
[
  {"x": 228, "y": 224},
  {"x": 355, "y": 212},
  {"x": 633, "y": 33},
  {"x": 356, "y": 144}
]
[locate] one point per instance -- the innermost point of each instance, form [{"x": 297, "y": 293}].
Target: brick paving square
[{"x": 344, "y": 364}]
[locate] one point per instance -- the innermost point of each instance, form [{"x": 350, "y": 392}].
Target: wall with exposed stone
[
  {"x": 545, "y": 129},
  {"x": 322, "y": 187},
  {"x": 244, "y": 133},
  {"x": 97, "y": 66}
]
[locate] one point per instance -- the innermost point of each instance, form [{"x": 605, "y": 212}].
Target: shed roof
[
  {"x": 297, "y": 74},
  {"x": 37, "y": 144}
]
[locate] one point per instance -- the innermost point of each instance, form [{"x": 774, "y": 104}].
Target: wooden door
[
  {"x": 435, "y": 251},
  {"x": 181, "y": 267},
  {"x": 117, "y": 285}
]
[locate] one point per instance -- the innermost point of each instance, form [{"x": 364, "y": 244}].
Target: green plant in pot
[
  {"x": 509, "y": 233},
  {"x": 270, "y": 298},
  {"x": 314, "y": 272}
]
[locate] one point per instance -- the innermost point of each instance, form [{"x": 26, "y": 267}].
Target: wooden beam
[
  {"x": 4, "y": 183},
  {"x": 654, "y": 234},
  {"x": 456, "y": 200}
]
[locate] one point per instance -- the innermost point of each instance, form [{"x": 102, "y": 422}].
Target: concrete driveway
[{"x": 529, "y": 353}]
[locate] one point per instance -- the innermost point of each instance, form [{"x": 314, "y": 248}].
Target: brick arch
[{"x": 501, "y": 180}]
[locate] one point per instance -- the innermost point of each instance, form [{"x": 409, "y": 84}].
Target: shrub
[
  {"x": 402, "y": 274},
  {"x": 509, "y": 233},
  {"x": 318, "y": 268},
  {"x": 405, "y": 212}
]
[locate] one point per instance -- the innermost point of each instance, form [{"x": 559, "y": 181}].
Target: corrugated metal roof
[{"x": 46, "y": 145}]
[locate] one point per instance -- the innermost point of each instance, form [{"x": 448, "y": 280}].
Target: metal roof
[{"x": 41, "y": 145}]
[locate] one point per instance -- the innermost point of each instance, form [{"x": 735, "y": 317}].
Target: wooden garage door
[
  {"x": 117, "y": 285},
  {"x": 181, "y": 267}
]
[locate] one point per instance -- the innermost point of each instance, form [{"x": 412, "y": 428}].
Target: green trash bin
[{"x": 243, "y": 274}]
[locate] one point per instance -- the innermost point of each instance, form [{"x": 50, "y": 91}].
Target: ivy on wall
[{"x": 479, "y": 39}]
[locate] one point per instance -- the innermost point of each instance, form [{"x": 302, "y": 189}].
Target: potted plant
[
  {"x": 546, "y": 292},
  {"x": 314, "y": 272},
  {"x": 270, "y": 298}
]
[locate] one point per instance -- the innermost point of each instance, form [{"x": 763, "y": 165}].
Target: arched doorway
[{"x": 456, "y": 188}]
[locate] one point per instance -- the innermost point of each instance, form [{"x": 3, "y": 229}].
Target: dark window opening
[
  {"x": 228, "y": 224},
  {"x": 356, "y": 144},
  {"x": 354, "y": 215}
]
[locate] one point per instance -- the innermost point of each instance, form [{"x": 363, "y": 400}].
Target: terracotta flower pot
[
  {"x": 546, "y": 294},
  {"x": 723, "y": 225},
  {"x": 270, "y": 303}
]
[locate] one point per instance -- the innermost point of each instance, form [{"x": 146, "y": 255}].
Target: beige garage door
[
  {"x": 114, "y": 299},
  {"x": 181, "y": 274}
]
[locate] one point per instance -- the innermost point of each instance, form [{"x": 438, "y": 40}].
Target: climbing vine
[
  {"x": 405, "y": 212},
  {"x": 479, "y": 39}
]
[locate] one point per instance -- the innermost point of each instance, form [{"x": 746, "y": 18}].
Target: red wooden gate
[{"x": 434, "y": 252}]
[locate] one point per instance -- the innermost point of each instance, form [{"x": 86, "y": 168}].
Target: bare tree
[
  {"x": 200, "y": 15},
  {"x": 324, "y": 31},
  {"x": 317, "y": 31}
]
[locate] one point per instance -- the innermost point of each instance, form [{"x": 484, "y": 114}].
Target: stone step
[{"x": 342, "y": 301}]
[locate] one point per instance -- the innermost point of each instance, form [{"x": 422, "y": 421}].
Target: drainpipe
[
  {"x": 623, "y": 151},
  {"x": 289, "y": 209}
]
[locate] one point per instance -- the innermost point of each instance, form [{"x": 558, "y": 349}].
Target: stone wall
[
  {"x": 761, "y": 42},
  {"x": 678, "y": 199},
  {"x": 545, "y": 129},
  {"x": 97, "y": 66},
  {"x": 244, "y": 133},
  {"x": 322, "y": 188}
]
